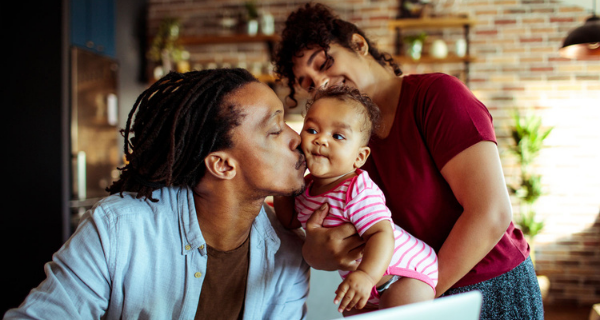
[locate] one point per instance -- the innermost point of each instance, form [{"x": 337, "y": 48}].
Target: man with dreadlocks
[{"x": 185, "y": 233}]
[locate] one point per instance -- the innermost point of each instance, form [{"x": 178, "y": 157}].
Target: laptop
[{"x": 462, "y": 306}]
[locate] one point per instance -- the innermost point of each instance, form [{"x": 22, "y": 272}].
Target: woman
[{"x": 434, "y": 156}]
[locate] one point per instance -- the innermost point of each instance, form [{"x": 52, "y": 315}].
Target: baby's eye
[
  {"x": 311, "y": 131},
  {"x": 338, "y": 136}
]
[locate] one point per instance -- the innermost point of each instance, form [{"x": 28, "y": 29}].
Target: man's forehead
[{"x": 256, "y": 105}]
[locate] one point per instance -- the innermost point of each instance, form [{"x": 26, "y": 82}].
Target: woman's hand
[{"x": 331, "y": 249}]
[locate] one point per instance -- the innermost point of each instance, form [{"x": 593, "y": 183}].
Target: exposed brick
[
  {"x": 533, "y": 20},
  {"x": 486, "y": 32},
  {"x": 541, "y": 69},
  {"x": 505, "y": 21},
  {"x": 560, "y": 20},
  {"x": 534, "y": 39},
  {"x": 587, "y": 77}
]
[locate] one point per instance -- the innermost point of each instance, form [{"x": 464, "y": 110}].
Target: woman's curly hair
[{"x": 315, "y": 25}]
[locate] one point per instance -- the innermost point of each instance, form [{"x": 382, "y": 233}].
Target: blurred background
[{"x": 79, "y": 65}]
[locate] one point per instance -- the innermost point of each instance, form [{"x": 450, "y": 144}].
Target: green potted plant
[
  {"x": 528, "y": 139},
  {"x": 252, "y": 17},
  {"x": 415, "y": 44},
  {"x": 165, "y": 49}
]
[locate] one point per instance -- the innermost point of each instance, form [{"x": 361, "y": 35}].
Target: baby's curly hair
[
  {"x": 315, "y": 25},
  {"x": 367, "y": 108}
]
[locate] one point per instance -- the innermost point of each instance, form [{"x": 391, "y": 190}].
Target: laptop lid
[{"x": 462, "y": 306}]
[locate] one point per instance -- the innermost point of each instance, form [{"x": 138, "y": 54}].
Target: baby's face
[{"x": 332, "y": 137}]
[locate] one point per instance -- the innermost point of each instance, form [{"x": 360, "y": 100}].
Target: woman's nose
[
  {"x": 295, "y": 140},
  {"x": 322, "y": 82}
]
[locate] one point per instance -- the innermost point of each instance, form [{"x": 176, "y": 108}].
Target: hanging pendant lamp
[{"x": 583, "y": 41}]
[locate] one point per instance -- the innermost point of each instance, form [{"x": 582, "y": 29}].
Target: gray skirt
[{"x": 513, "y": 295}]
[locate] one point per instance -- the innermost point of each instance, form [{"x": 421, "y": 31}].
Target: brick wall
[{"x": 518, "y": 66}]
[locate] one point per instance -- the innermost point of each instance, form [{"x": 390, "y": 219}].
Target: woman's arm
[
  {"x": 476, "y": 178},
  {"x": 331, "y": 249}
]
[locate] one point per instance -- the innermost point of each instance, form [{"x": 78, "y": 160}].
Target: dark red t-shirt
[{"x": 437, "y": 118}]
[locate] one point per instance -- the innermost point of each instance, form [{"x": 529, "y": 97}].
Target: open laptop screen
[{"x": 463, "y": 306}]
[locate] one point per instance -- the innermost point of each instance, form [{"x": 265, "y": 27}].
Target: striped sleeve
[{"x": 366, "y": 204}]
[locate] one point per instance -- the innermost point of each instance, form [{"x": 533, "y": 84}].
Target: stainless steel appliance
[{"x": 94, "y": 129}]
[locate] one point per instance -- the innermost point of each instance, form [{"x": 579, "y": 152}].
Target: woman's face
[{"x": 314, "y": 70}]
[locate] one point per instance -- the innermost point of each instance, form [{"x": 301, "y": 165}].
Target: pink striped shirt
[{"x": 359, "y": 200}]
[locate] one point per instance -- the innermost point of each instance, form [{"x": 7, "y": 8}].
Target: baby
[{"x": 396, "y": 268}]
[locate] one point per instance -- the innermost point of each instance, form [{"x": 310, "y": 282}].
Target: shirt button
[
  {"x": 198, "y": 274},
  {"x": 188, "y": 247},
  {"x": 201, "y": 247}
]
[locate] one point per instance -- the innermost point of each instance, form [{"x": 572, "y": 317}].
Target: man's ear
[
  {"x": 360, "y": 44},
  {"x": 221, "y": 165},
  {"x": 361, "y": 158}
]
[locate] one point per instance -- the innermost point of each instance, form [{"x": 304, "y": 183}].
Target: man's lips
[{"x": 301, "y": 162}]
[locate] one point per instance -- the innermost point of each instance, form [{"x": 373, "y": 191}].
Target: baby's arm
[
  {"x": 355, "y": 290},
  {"x": 284, "y": 209}
]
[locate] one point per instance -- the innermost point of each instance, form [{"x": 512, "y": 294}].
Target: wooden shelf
[
  {"x": 430, "y": 59},
  {"x": 228, "y": 39},
  {"x": 429, "y": 23}
]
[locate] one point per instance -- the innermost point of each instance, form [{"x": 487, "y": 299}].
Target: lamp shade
[{"x": 583, "y": 41}]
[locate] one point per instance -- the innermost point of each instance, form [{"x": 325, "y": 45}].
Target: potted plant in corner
[{"x": 528, "y": 139}]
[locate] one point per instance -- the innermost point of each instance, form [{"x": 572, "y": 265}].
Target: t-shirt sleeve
[
  {"x": 366, "y": 205},
  {"x": 451, "y": 118}
]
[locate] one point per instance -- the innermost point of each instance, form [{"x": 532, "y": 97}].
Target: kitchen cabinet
[
  {"x": 93, "y": 25},
  {"x": 424, "y": 24}
]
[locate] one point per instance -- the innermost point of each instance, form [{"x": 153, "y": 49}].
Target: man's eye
[{"x": 338, "y": 136}]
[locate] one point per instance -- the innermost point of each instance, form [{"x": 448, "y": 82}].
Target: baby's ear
[{"x": 361, "y": 158}]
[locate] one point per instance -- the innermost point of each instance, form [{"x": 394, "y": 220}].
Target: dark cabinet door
[{"x": 93, "y": 25}]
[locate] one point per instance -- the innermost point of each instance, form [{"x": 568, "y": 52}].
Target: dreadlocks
[
  {"x": 180, "y": 120},
  {"x": 315, "y": 25}
]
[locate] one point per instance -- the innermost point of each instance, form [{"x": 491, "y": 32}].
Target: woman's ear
[
  {"x": 361, "y": 158},
  {"x": 360, "y": 44},
  {"x": 220, "y": 165}
]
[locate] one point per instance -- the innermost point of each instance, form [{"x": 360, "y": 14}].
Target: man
[{"x": 184, "y": 233}]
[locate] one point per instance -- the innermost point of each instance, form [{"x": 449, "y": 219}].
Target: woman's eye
[
  {"x": 338, "y": 136},
  {"x": 311, "y": 88},
  {"x": 327, "y": 64},
  {"x": 276, "y": 133}
]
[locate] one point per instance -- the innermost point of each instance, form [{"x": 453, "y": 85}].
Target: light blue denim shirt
[{"x": 137, "y": 259}]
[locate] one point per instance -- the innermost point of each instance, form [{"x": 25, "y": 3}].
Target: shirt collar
[{"x": 191, "y": 236}]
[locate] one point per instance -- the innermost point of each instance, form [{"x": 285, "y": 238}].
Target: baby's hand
[{"x": 354, "y": 291}]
